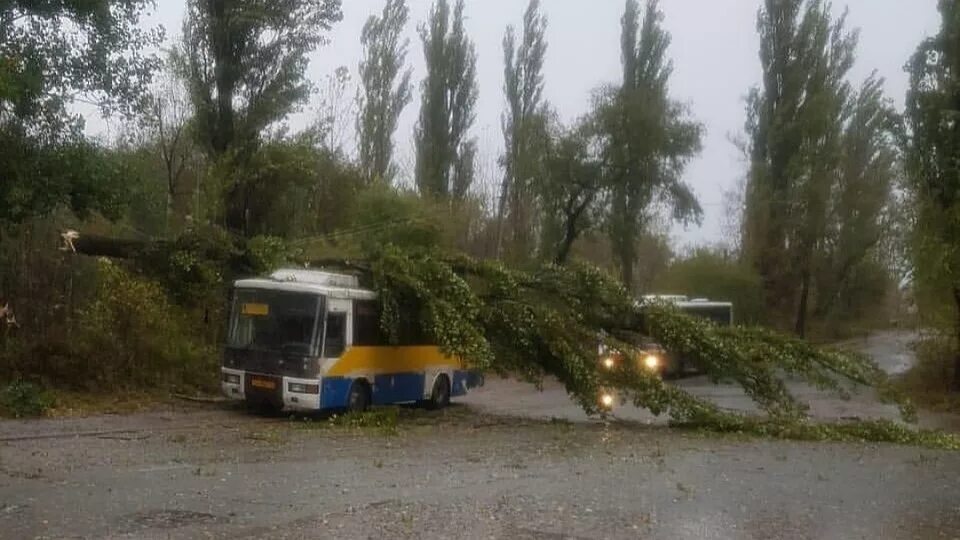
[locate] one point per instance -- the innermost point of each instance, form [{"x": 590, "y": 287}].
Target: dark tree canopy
[
  {"x": 55, "y": 54},
  {"x": 246, "y": 61},
  {"x": 933, "y": 108}
]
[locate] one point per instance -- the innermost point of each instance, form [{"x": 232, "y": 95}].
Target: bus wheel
[
  {"x": 440, "y": 397},
  {"x": 359, "y": 398}
]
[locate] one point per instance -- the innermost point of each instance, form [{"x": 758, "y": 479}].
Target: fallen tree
[{"x": 549, "y": 322}]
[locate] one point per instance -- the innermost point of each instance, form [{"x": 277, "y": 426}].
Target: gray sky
[{"x": 714, "y": 51}]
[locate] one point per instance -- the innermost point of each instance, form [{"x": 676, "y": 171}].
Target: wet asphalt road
[{"x": 469, "y": 472}]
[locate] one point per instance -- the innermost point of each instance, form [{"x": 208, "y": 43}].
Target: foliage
[
  {"x": 648, "y": 137},
  {"x": 245, "y": 62},
  {"x": 128, "y": 336},
  {"x": 41, "y": 175},
  {"x": 847, "y": 271},
  {"x": 132, "y": 336},
  {"x": 928, "y": 382},
  {"x": 386, "y": 89},
  {"x": 548, "y": 322},
  {"x": 195, "y": 268},
  {"x": 388, "y": 216},
  {"x": 878, "y": 431},
  {"x": 53, "y": 54},
  {"x": 710, "y": 273},
  {"x": 571, "y": 192},
  {"x": 445, "y": 154},
  {"x": 21, "y": 399},
  {"x": 933, "y": 176},
  {"x": 822, "y": 161},
  {"x": 167, "y": 123},
  {"x": 525, "y": 132},
  {"x": 384, "y": 420},
  {"x": 293, "y": 187}
]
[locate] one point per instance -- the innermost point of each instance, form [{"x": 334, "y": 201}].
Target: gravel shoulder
[{"x": 222, "y": 474}]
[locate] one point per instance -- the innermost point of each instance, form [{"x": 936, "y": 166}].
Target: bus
[
  {"x": 652, "y": 356},
  {"x": 719, "y": 313},
  {"x": 305, "y": 341}
]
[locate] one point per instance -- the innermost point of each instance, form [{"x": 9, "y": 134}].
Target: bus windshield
[{"x": 274, "y": 321}]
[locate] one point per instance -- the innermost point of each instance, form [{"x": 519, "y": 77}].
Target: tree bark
[
  {"x": 802, "y": 309},
  {"x": 114, "y": 248},
  {"x": 955, "y": 383}
]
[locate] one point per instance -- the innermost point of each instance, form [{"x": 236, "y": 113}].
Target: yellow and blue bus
[{"x": 306, "y": 341}]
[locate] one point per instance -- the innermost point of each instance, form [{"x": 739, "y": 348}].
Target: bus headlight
[
  {"x": 607, "y": 401},
  {"x": 298, "y": 388},
  {"x": 609, "y": 363},
  {"x": 651, "y": 362},
  {"x": 231, "y": 378}
]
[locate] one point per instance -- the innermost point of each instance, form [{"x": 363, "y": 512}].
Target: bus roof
[
  {"x": 682, "y": 301},
  {"x": 330, "y": 284}
]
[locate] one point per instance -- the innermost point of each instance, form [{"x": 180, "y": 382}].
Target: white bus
[{"x": 309, "y": 341}]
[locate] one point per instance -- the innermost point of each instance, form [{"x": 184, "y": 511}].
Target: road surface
[{"x": 469, "y": 472}]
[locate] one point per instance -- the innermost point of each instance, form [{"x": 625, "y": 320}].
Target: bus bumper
[
  {"x": 295, "y": 394},
  {"x": 231, "y": 383},
  {"x": 301, "y": 394}
]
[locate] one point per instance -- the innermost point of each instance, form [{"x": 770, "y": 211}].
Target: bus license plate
[{"x": 263, "y": 383}]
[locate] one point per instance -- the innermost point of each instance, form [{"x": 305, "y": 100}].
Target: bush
[
  {"x": 928, "y": 381},
  {"x": 132, "y": 336},
  {"x": 22, "y": 399}
]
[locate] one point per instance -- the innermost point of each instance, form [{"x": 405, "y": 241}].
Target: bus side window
[
  {"x": 366, "y": 325},
  {"x": 336, "y": 335}
]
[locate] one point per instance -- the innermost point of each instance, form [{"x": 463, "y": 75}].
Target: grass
[
  {"x": 383, "y": 421},
  {"x": 72, "y": 404}
]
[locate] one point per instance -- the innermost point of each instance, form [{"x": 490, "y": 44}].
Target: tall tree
[
  {"x": 246, "y": 61},
  {"x": 795, "y": 125},
  {"x": 649, "y": 137},
  {"x": 54, "y": 55},
  {"x": 168, "y": 120},
  {"x": 571, "y": 191},
  {"x": 445, "y": 153},
  {"x": 933, "y": 107},
  {"x": 385, "y": 89},
  {"x": 524, "y": 129},
  {"x": 859, "y": 210}
]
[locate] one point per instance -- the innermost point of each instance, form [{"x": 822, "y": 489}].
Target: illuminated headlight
[
  {"x": 607, "y": 401},
  {"x": 231, "y": 378},
  {"x": 651, "y": 362},
  {"x": 298, "y": 388},
  {"x": 609, "y": 363}
]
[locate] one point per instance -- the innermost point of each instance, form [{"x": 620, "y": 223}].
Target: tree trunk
[
  {"x": 802, "y": 309},
  {"x": 101, "y": 246},
  {"x": 955, "y": 383},
  {"x": 569, "y": 237},
  {"x": 502, "y": 213}
]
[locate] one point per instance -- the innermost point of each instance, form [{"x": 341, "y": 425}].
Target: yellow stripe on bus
[{"x": 378, "y": 360}]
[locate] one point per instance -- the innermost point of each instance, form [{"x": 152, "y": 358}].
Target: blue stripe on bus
[
  {"x": 334, "y": 393},
  {"x": 393, "y": 388},
  {"x": 398, "y": 388}
]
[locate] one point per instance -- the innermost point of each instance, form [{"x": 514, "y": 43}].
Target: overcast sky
[{"x": 714, "y": 51}]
